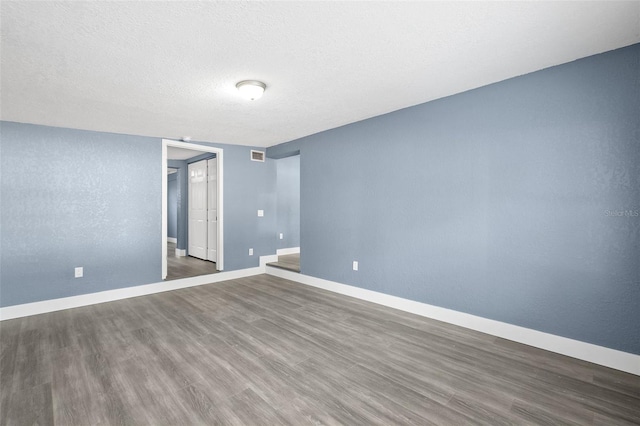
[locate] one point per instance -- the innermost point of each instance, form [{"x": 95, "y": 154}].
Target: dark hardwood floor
[
  {"x": 186, "y": 266},
  {"x": 290, "y": 262},
  {"x": 264, "y": 350}
]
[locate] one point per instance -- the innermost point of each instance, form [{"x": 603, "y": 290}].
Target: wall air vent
[{"x": 257, "y": 155}]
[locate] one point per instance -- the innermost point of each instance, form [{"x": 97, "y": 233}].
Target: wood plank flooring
[
  {"x": 186, "y": 266},
  {"x": 264, "y": 350},
  {"x": 290, "y": 262}
]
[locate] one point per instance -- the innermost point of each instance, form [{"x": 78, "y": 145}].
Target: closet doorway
[
  {"x": 203, "y": 209},
  {"x": 206, "y": 204}
]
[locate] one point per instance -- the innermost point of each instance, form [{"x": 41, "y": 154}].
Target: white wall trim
[
  {"x": 172, "y": 240},
  {"x": 607, "y": 357},
  {"x": 290, "y": 250},
  {"x": 181, "y": 252},
  {"x": 36, "y": 308},
  {"x": 165, "y": 214},
  {"x": 268, "y": 259}
]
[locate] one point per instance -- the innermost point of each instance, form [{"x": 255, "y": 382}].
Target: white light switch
[
  {"x": 260, "y": 213},
  {"x": 281, "y": 236},
  {"x": 79, "y": 272},
  {"x": 355, "y": 265},
  {"x": 250, "y": 252}
]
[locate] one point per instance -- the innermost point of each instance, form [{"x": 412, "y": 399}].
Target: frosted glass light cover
[{"x": 251, "y": 89}]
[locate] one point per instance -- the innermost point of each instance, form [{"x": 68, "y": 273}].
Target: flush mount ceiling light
[{"x": 251, "y": 89}]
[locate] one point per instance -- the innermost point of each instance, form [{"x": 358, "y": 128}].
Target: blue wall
[
  {"x": 76, "y": 198},
  {"x": 172, "y": 205},
  {"x": 288, "y": 201},
  {"x": 492, "y": 202}
]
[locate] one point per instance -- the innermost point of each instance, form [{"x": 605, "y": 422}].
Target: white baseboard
[
  {"x": 172, "y": 240},
  {"x": 267, "y": 259},
  {"x": 607, "y": 357},
  {"x": 35, "y": 308},
  {"x": 290, "y": 250},
  {"x": 181, "y": 252}
]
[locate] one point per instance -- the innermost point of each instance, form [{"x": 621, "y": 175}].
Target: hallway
[{"x": 186, "y": 266}]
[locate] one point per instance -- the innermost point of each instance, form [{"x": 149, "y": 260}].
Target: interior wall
[
  {"x": 73, "y": 198},
  {"x": 90, "y": 201},
  {"x": 288, "y": 201},
  {"x": 499, "y": 202}
]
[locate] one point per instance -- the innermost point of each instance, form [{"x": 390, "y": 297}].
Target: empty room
[{"x": 319, "y": 213}]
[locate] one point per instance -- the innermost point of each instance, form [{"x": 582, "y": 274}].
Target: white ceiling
[
  {"x": 169, "y": 69},
  {"x": 175, "y": 153}
]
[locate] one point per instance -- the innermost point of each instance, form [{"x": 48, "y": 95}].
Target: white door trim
[
  {"x": 219, "y": 155},
  {"x": 212, "y": 209}
]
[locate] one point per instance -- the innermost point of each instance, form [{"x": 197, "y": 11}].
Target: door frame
[{"x": 219, "y": 155}]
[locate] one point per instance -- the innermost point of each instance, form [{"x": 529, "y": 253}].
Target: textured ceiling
[{"x": 169, "y": 69}]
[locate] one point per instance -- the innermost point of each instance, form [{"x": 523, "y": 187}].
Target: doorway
[
  {"x": 216, "y": 191},
  {"x": 288, "y": 212}
]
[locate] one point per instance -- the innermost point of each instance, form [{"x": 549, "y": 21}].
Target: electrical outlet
[
  {"x": 79, "y": 272},
  {"x": 355, "y": 265},
  {"x": 260, "y": 213},
  {"x": 281, "y": 235},
  {"x": 250, "y": 252}
]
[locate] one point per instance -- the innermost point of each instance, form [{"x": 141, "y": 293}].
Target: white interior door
[
  {"x": 198, "y": 209},
  {"x": 212, "y": 209}
]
